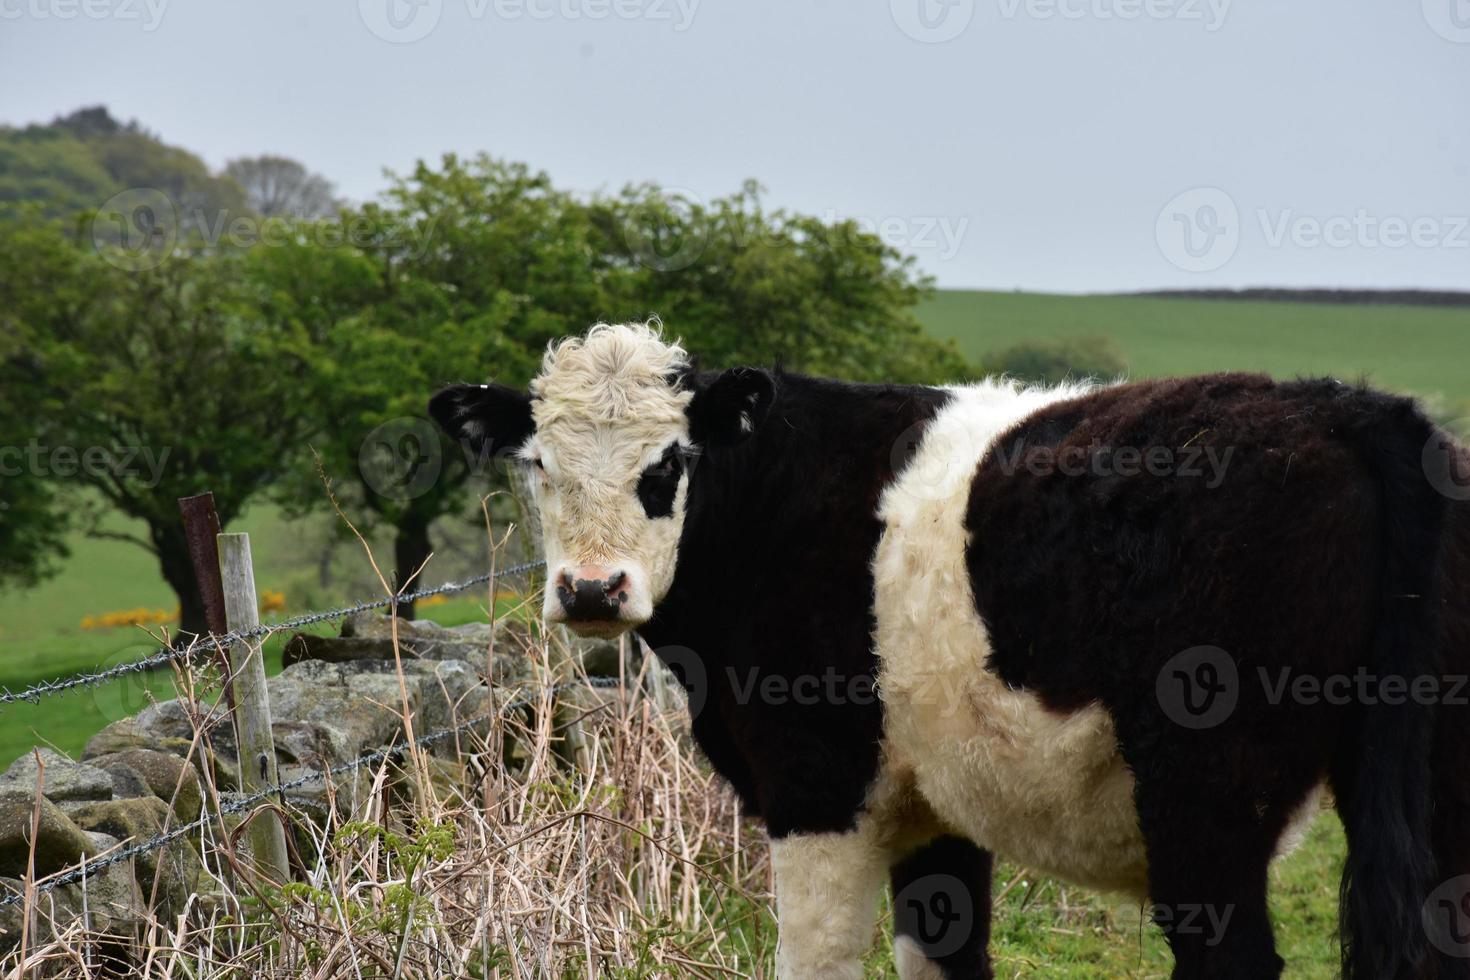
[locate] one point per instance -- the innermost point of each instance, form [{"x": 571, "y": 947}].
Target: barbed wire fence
[
  {"x": 167, "y": 655},
  {"x": 34, "y": 693},
  {"x": 278, "y": 790}
]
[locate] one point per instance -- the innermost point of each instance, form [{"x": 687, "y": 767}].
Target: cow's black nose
[{"x": 590, "y": 593}]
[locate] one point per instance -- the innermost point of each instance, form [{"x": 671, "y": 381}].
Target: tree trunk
[
  {"x": 410, "y": 551},
  {"x": 172, "y": 548}
]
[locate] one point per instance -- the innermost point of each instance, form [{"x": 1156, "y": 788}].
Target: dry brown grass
[{"x": 495, "y": 859}]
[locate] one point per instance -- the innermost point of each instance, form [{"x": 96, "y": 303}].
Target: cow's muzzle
[{"x": 592, "y": 594}]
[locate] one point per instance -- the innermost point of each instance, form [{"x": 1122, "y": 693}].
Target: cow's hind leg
[
  {"x": 941, "y": 912},
  {"x": 1208, "y": 864}
]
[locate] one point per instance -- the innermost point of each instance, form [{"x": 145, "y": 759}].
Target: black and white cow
[{"x": 1121, "y": 635}]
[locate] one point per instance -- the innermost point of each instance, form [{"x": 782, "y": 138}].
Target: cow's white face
[{"x": 613, "y": 426}]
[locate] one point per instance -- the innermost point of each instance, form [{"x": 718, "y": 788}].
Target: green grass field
[
  {"x": 1421, "y": 350},
  {"x": 1045, "y": 930}
]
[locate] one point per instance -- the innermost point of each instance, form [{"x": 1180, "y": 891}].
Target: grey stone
[
  {"x": 174, "y": 870},
  {"x": 111, "y": 899},
  {"x": 65, "y": 779},
  {"x": 161, "y": 774},
  {"x": 59, "y": 841}
]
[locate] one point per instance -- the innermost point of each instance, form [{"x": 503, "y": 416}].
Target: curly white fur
[{"x": 605, "y": 409}]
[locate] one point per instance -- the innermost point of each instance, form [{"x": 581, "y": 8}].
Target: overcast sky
[{"x": 1060, "y": 145}]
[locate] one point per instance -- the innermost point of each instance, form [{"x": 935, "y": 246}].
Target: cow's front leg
[
  {"x": 941, "y": 911},
  {"x": 827, "y": 888}
]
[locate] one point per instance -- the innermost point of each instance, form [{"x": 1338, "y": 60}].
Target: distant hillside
[
  {"x": 1419, "y": 348},
  {"x": 1356, "y": 297},
  {"x": 77, "y": 162}
]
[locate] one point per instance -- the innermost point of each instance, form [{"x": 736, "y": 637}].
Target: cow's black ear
[
  {"x": 482, "y": 416},
  {"x": 731, "y": 407}
]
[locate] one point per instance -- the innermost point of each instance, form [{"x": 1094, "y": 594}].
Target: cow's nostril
[{"x": 614, "y": 582}]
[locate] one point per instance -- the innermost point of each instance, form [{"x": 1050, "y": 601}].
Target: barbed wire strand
[
  {"x": 33, "y": 693},
  {"x": 90, "y": 868}
]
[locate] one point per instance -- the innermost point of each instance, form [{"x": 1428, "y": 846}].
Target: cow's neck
[{"x": 774, "y": 586}]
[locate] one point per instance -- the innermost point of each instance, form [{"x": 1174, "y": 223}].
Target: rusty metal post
[{"x": 201, "y": 528}]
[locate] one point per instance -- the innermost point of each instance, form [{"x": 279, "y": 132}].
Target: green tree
[
  {"x": 461, "y": 272},
  {"x": 32, "y": 525},
  {"x": 743, "y": 284},
  {"x": 158, "y": 382},
  {"x": 1058, "y": 359}
]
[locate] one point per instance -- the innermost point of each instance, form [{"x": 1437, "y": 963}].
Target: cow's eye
[{"x": 659, "y": 483}]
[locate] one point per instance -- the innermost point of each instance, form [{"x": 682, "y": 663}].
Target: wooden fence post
[{"x": 257, "y": 750}]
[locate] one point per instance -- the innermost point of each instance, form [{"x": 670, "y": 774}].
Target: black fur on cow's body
[
  {"x": 1324, "y": 549},
  {"x": 773, "y": 585}
]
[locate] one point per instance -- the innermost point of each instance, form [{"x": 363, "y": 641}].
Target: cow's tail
[{"x": 1387, "y": 813}]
